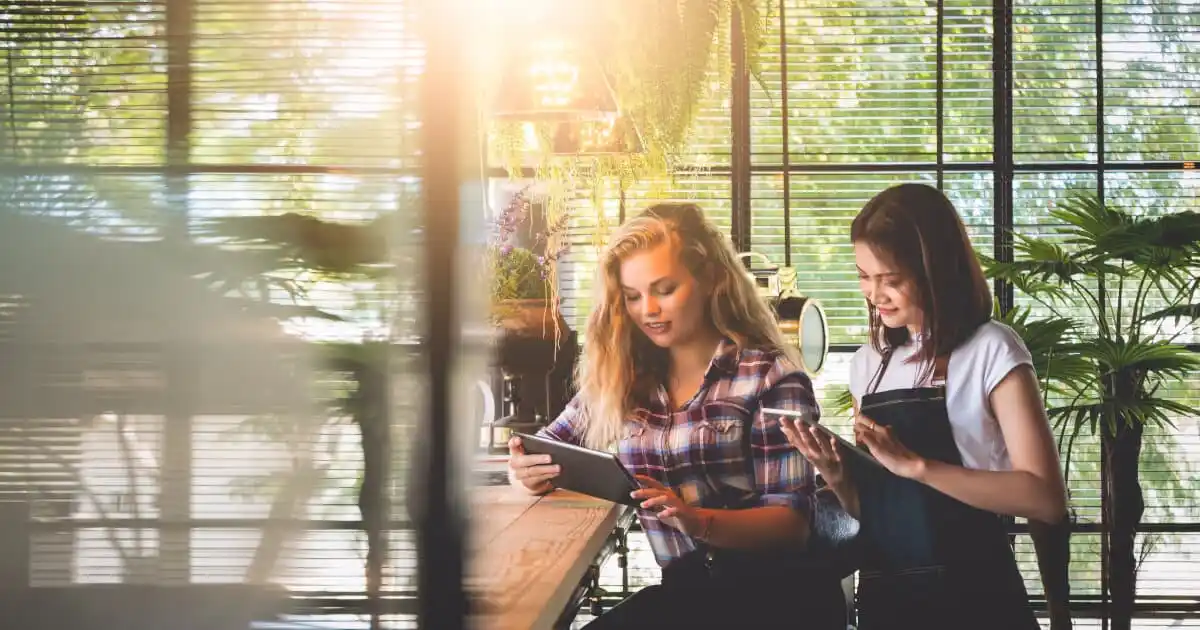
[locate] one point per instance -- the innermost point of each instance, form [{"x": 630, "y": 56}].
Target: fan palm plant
[{"x": 1135, "y": 278}]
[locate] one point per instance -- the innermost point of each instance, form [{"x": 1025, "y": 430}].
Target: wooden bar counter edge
[{"x": 529, "y": 553}]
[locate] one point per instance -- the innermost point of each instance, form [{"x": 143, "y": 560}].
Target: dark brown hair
[{"x": 917, "y": 229}]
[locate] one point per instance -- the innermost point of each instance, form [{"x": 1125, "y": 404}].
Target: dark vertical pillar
[
  {"x": 786, "y": 145},
  {"x": 440, "y": 516},
  {"x": 740, "y": 158},
  {"x": 940, "y": 93},
  {"x": 1002, "y": 124},
  {"x": 179, "y": 354}
]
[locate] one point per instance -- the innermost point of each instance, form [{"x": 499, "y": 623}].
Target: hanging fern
[
  {"x": 659, "y": 54},
  {"x": 659, "y": 57}
]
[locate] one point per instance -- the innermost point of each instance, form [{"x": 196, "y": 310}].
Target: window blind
[
  {"x": 84, "y": 82},
  {"x": 821, "y": 207},
  {"x": 1155, "y": 194},
  {"x": 1054, "y": 81},
  {"x": 299, "y": 106},
  {"x": 1151, "y": 74},
  {"x": 1167, "y": 468},
  {"x": 302, "y": 83},
  {"x": 82, "y": 89},
  {"x": 307, "y": 108},
  {"x": 967, "y": 110},
  {"x": 861, "y": 83},
  {"x": 1035, "y": 195},
  {"x": 83, "y": 86}
]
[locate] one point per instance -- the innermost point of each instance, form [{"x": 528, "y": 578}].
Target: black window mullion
[
  {"x": 940, "y": 92},
  {"x": 740, "y": 136},
  {"x": 1100, "y": 149},
  {"x": 787, "y": 149},
  {"x": 1105, "y": 570},
  {"x": 175, "y": 492},
  {"x": 1002, "y": 158}
]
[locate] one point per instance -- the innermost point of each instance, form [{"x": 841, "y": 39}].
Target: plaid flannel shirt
[{"x": 698, "y": 450}]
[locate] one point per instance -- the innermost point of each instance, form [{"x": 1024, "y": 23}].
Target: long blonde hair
[{"x": 620, "y": 365}]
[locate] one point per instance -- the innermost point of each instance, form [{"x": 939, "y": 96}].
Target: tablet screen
[
  {"x": 594, "y": 473},
  {"x": 802, "y": 418}
]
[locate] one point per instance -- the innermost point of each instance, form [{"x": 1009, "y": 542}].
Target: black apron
[{"x": 931, "y": 561}]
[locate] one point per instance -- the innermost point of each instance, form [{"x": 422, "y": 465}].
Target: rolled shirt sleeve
[
  {"x": 782, "y": 474},
  {"x": 568, "y": 426}
]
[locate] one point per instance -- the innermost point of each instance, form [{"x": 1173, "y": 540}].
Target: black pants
[
  {"x": 734, "y": 595},
  {"x": 990, "y": 599}
]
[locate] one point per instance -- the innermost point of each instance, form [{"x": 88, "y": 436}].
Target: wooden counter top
[{"x": 530, "y": 553}]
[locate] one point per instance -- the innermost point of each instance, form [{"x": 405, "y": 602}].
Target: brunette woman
[{"x": 947, "y": 400}]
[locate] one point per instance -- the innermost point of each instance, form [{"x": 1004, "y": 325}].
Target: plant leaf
[{"x": 1177, "y": 312}]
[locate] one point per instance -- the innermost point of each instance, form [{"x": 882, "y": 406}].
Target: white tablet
[{"x": 800, "y": 417}]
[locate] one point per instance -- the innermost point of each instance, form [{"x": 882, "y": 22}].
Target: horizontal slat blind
[
  {"x": 1168, "y": 568},
  {"x": 861, "y": 84},
  {"x": 349, "y": 198},
  {"x": 1151, "y": 80},
  {"x": 84, "y": 82},
  {"x": 1150, "y": 76},
  {"x": 314, "y": 103},
  {"x": 861, "y": 81},
  {"x": 967, "y": 81},
  {"x": 1170, "y": 465},
  {"x": 120, "y": 207},
  {"x": 1054, "y": 80},
  {"x": 1153, "y": 194},
  {"x": 36, "y": 463},
  {"x": 822, "y": 207},
  {"x": 1168, "y": 471},
  {"x": 305, "y": 107},
  {"x": 301, "y": 82},
  {"x": 1035, "y": 195}
]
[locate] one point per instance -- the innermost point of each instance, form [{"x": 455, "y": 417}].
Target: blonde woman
[{"x": 679, "y": 355}]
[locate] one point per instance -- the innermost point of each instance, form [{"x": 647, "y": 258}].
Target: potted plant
[
  {"x": 522, "y": 263},
  {"x": 1132, "y": 275}
]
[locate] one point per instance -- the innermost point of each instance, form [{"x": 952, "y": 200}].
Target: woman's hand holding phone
[{"x": 819, "y": 449}]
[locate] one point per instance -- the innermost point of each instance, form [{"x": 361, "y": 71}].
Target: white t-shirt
[{"x": 975, "y": 368}]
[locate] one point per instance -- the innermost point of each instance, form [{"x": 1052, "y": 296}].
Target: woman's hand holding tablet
[
  {"x": 546, "y": 463},
  {"x": 532, "y": 472}
]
